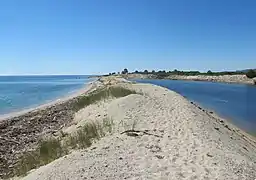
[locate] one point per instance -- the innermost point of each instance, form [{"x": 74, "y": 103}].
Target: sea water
[{"x": 22, "y": 92}]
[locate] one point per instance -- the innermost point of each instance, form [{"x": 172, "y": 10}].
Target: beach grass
[
  {"x": 105, "y": 93},
  {"x": 51, "y": 149}
]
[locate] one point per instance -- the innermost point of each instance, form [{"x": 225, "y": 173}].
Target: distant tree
[
  {"x": 118, "y": 72},
  {"x": 125, "y": 71},
  {"x": 113, "y": 73},
  {"x": 251, "y": 73},
  {"x": 153, "y": 71},
  {"x": 146, "y": 71},
  {"x": 136, "y": 72},
  {"x": 209, "y": 72}
]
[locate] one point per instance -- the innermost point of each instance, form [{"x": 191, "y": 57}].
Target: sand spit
[{"x": 158, "y": 134}]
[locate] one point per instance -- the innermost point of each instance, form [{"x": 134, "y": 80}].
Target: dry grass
[
  {"x": 102, "y": 94},
  {"x": 51, "y": 149}
]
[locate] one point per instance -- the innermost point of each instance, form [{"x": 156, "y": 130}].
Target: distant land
[{"x": 246, "y": 76}]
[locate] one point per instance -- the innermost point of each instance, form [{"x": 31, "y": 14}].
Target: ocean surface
[
  {"x": 22, "y": 92},
  {"x": 235, "y": 102}
]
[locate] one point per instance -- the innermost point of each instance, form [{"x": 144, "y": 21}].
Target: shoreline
[
  {"x": 22, "y": 132},
  {"x": 228, "y": 79},
  {"x": 217, "y": 116},
  {"x": 86, "y": 87},
  {"x": 225, "y": 121},
  {"x": 169, "y": 132}
]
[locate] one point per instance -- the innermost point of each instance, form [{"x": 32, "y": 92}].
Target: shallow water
[
  {"x": 234, "y": 102},
  {"x": 21, "y": 92}
]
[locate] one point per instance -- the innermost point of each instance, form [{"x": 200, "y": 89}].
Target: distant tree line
[{"x": 162, "y": 73}]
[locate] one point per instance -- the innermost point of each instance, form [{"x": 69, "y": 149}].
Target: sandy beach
[
  {"x": 172, "y": 139},
  {"x": 158, "y": 134},
  {"x": 21, "y": 131}
]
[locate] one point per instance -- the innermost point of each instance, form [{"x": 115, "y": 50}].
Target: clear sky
[{"x": 100, "y": 36}]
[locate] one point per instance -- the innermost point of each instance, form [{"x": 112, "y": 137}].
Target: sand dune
[{"x": 171, "y": 139}]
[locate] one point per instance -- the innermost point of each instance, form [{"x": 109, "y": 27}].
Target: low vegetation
[
  {"x": 105, "y": 93},
  {"x": 251, "y": 74},
  {"x": 162, "y": 74},
  {"x": 51, "y": 149}
]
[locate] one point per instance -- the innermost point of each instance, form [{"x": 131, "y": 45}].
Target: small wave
[{"x": 222, "y": 100}]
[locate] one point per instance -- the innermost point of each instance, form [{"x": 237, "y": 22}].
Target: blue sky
[{"x": 100, "y": 36}]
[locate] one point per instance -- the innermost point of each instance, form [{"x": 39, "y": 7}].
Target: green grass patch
[
  {"x": 101, "y": 94},
  {"x": 47, "y": 151},
  {"x": 51, "y": 149}
]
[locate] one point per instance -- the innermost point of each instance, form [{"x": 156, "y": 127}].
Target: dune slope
[{"x": 158, "y": 134}]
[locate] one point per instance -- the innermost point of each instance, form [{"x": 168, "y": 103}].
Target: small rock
[
  {"x": 120, "y": 158},
  {"x": 106, "y": 147},
  {"x": 159, "y": 156},
  {"x": 209, "y": 155},
  {"x": 54, "y": 119},
  {"x": 217, "y": 128},
  {"x": 132, "y": 134},
  {"x": 226, "y": 126},
  {"x": 245, "y": 148}
]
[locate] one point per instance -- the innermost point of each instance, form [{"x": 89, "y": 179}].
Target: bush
[{"x": 251, "y": 73}]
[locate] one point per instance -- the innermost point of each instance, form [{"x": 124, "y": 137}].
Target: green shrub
[{"x": 251, "y": 73}]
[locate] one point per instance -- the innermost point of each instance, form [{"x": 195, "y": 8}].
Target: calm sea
[
  {"x": 235, "y": 102},
  {"x": 21, "y": 92}
]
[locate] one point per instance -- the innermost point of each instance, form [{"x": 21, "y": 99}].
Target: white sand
[{"x": 185, "y": 143}]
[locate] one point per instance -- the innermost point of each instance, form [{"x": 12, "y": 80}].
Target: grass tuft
[
  {"x": 47, "y": 151},
  {"x": 51, "y": 149}
]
